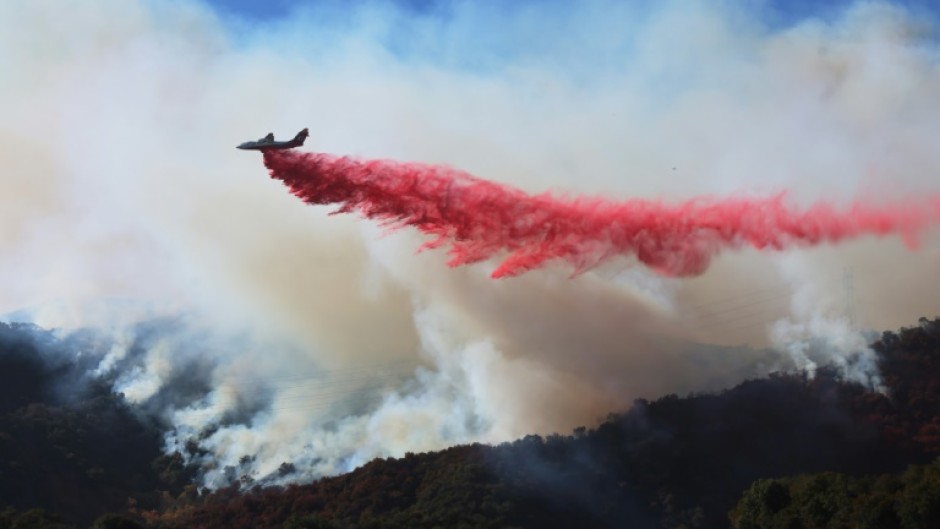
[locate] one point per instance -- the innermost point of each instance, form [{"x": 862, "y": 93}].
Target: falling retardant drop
[{"x": 480, "y": 219}]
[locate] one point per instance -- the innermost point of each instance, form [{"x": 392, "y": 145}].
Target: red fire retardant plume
[{"x": 480, "y": 219}]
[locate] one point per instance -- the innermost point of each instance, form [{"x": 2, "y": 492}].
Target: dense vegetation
[
  {"x": 830, "y": 500},
  {"x": 787, "y": 451},
  {"x": 68, "y": 445}
]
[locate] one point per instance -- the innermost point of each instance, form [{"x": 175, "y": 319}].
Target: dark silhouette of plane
[{"x": 268, "y": 143}]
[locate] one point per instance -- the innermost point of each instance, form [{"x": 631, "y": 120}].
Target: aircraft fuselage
[{"x": 268, "y": 143}]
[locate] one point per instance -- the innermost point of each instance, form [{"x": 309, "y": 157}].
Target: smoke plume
[{"x": 262, "y": 331}]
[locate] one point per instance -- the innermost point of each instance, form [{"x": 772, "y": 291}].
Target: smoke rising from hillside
[{"x": 287, "y": 335}]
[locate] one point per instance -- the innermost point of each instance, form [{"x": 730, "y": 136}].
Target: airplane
[{"x": 268, "y": 143}]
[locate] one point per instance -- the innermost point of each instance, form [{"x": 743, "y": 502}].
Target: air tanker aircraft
[{"x": 268, "y": 143}]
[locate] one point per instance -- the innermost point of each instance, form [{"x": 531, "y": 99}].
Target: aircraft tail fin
[{"x": 301, "y": 136}]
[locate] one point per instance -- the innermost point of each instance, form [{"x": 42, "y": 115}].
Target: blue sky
[
  {"x": 486, "y": 35},
  {"x": 776, "y": 12},
  {"x": 268, "y": 10}
]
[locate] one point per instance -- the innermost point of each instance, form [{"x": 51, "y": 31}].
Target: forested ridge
[
  {"x": 786, "y": 451},
  {"x": 69, "y": 447}
]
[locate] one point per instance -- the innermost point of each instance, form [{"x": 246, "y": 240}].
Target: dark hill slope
[
  {"x": 674, "y": 462},
  {"x": 67, "y": 443}
]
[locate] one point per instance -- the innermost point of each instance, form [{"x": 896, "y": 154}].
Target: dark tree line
[{"x": 910, "y": 500}]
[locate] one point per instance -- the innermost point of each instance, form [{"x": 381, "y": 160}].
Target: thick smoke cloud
[{"x": 281, "y": 334}]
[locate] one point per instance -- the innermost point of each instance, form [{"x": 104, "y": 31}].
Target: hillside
[
  {"x": 68, "y": 445},
  {"x": 673, "y": 462},
  {"x": 71, "y": 447}
]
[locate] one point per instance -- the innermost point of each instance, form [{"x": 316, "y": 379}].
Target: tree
[{"x": 116, "y": 521}]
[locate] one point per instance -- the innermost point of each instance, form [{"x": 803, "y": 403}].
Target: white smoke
[
  {"x": 822, "y": 330},
  {"x": 296, "y": 337}
]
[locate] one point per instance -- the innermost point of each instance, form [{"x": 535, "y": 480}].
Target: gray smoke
[{"x": 266, "y": 332}]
